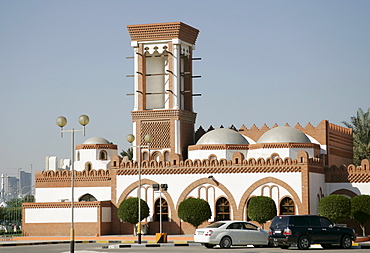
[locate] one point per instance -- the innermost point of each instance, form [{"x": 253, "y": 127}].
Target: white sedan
[{"x": 228, "y": 233}]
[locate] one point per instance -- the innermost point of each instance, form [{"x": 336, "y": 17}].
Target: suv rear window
[{"x": 280, "y": 221}]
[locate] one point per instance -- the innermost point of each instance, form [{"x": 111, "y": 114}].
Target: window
[
  {"x": 157, "y": 208},
  {"x": 222, "y": 209},
  {"x": 250, "y": 226},
  {"x": 236, "y": 225},
  {"x": 287, "y": 206},
  {"x": 78, "y": 155},
  {"x": 88, "y": 166},
  {"x": 103, "y": 155},
  {"x": 87, "y": 197}
]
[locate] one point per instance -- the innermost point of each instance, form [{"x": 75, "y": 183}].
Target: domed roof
[
  {"x": 96, "y": 140},
  {"x": 222, "y": 136},
  {"x": 283, "y": 134}
]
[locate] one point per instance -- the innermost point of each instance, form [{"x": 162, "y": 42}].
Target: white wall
[
  {"x": 61, "y": 215},
  {"x": 316, "y": 182},
  {"x": 57, "y": 194}
]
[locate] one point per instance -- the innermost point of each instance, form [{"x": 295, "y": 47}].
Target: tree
[
  {"x": 129, "y": 153},
  {"x": 360, "y": 210},
  {"x": 361, "y": 135},
  {"x": 195, "y": 211},
  {"x": 261, "y": 209},
  {"x": 128, "y": 210},
  {"x": 29, "y": 198},
  {"x": 335, "y": 207}
]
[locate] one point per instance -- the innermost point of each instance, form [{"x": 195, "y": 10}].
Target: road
[{"x": 98, "y": 247}]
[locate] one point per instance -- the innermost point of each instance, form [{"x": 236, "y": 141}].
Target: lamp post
[
  {"x": 61, "y": 122},
  {"x": 148, "y": 139}
]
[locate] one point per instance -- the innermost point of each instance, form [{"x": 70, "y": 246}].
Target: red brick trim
[
  {"x": 247, "y": 194},
  {"x": 344, "y": 192},
  {"x": 201, "y": 181},
  {"x": 135, "y": 185}
]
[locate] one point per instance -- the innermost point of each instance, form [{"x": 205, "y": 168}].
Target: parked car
[
  {"x": 228, "y": 233},
  {"x": 304, "y": 230}
]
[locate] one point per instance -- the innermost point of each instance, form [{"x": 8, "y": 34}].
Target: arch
[
  {"x": 286, "y": 206},
  {"x": 103, "y": 155},
  {"x": 88, "y": 166},
  {"x": 158, "y": 209},
  {"x": 156, "y": 156},
  {"x": 201, "y": 181},
  {"x": 222, "y": 209},
  {"x": 344, "y": 192},
  {"x": 166, "y": 156},
  {"x": 266, "y": 180},
  {"x": 134, "y": 185},
  {"x": 87, "y": 197}
]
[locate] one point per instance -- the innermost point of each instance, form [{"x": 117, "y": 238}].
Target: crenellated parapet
[
  {"x": 62, "y": 178},
  {"x": 349, "y": 174},
  {"x": 236, "y": 165}
]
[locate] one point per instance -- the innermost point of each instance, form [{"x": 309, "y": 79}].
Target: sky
[{"x": 263, "y": 62}]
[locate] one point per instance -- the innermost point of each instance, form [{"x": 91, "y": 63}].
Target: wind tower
[{"x": 163, "y": 87}]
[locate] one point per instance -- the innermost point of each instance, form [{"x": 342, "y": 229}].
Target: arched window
[
  {"x": 287, "y": 206},
  {"x": 78, "y": 156},
  {"x": 157, "y": 208},
  {"x": 222, "y": 209},
  {"x": 166, "y": 156},
  {"x": 88, "y": 166},
  {"x": 87, "y": 197},
  {"x": 103, "y": 155}
]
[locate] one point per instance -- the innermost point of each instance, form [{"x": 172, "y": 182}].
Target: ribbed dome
[
  {"x": 96, "y": 140},
  {"x": 283, "y": 134},
  {"x": 222, "y": 136}
]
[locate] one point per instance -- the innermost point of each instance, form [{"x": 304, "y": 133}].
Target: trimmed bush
[
  {"x": 261, "y": 209},
  {"x": 128, "y": 210},
  {"x": 360, "y": 210},
  {"x": 195, "y": 211},
  {"x": 335, "y": 207}
]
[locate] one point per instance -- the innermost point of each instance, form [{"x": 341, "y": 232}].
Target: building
[{"x": 296, "y": 166}]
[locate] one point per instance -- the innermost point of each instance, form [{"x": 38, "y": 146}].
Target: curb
[{"x": 153, "y": 245}]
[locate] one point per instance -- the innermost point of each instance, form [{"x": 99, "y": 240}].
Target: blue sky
[{"x": 262, "y": 62}]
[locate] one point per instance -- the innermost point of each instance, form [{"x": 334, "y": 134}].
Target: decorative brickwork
[
  {"x": 163, "y": 31},
  {"x": 348, "y": 174},
  {"x": 96, "y": 146},
  {"x": 162, "y": 133},
  {"x": 62, "y": 178}
]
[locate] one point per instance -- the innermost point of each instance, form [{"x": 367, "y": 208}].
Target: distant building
[
  {"x": 25, "y": 183},
  {"x": 295, "y": 166}
]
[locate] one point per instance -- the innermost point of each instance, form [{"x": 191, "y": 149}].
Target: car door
[
  {"x": 236, "y": 232},
  {"x": 253, "y": 234},
  {"x": 329, "y": 231},
  {"x": 320, "y": 230}
]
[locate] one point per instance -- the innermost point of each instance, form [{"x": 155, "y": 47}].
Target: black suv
[{"x": 303, "y": 230}]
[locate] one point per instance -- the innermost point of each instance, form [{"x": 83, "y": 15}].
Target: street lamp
[
  {"x": 61, "y": 122},
  {"x": 148, "y": 139}
]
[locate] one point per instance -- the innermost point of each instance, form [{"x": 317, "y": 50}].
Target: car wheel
[
  {"x": 284, "y": 246},
  {"x": 346, "y": 242},
  {"x": 225, "y": 242},
  {"x": 208, "y": 246},
  {"x": 303, "y": 243}
]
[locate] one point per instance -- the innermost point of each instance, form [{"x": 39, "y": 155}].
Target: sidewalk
[{"x": 116, "y": 239}]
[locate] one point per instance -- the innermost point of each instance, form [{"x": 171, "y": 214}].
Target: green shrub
[
  {"x": 335, "y": 207},
  {"x": 194, "y": 211},
  {"x": 261, "y": 209},
  {"x": 360, "y": 210},
  {"x": 128, "y": 210}
]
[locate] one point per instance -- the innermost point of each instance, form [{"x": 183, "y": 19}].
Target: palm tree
[
  {"x": 129, "y": 153},
  {"x": 361, "y": 135}
]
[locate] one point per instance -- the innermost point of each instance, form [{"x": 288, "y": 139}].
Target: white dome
[
  {"x": 283, "y": 134},
  {"x": 222, "y": 136},
  {"x": 96, "y": 140}
]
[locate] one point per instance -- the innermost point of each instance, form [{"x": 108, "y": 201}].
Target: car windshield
[
  {"x": 280, "y": 221},
  {"x": 216, "y": 225}
]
